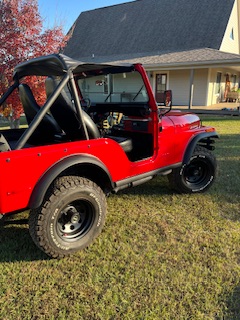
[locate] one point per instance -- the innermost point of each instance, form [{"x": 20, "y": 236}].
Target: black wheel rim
[
  {"x": 197, "y": 174},
  {"x": 75, "y": 220}
]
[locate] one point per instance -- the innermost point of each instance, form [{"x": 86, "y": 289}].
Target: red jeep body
[{"x": 135, "y": 140}]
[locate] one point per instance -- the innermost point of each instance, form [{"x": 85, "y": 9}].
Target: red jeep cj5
[{"x": 99, "y": 131}]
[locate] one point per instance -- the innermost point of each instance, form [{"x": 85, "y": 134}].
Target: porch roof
[{"x": 197, "y": 58}]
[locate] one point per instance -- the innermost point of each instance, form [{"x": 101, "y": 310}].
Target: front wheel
[
  {"x": 2, "y": 219},
  {"x": 70, "y": 218},
  {"x": 198, "y": 175}
]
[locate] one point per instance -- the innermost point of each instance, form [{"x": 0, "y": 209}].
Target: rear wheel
[
  {"x": 70, "y": 218},
  {"x": 198, "y": 175}
]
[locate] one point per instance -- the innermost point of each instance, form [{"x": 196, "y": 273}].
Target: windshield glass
[{"x": 114, "y": 88}]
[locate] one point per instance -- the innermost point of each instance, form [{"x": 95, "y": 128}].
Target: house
[{"x": 191, "y": 47}]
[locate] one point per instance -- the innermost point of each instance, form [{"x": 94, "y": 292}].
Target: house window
[
  {"x": 232, "y": 34},
  {"x": 218, "y": 83}
]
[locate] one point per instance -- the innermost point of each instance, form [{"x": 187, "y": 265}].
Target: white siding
[
  {"x": 200, "y": 87},
  {"x": 228, "y": 44},
  {"x": 179, "y": 83}
]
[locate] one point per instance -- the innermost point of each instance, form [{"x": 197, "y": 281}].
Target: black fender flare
[
  {"x": 192, "y": 144},
  {"x": 53, "y": 172}
]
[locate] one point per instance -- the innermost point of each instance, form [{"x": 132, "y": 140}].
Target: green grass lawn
[{"x": 160, "y": 256}]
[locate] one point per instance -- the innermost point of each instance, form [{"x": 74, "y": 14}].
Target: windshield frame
[{"x": 120, "y": 88}]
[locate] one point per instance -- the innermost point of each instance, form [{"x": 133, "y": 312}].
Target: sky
[{"x": 65, "y": 12}]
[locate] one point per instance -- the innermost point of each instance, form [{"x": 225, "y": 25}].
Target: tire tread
[
  {"x": 175, "y": 179},
  {"x": 37, "y": 216}
]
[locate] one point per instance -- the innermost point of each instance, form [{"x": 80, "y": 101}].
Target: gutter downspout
[{"x": 191, "y": 89}]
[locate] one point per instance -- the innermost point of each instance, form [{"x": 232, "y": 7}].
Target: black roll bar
[
  {"x": 41, "y": 113},
  {"x": 46, "y": 107},
  {"x": 9, "y": 91},
  {"x": 78, "y": 104}
]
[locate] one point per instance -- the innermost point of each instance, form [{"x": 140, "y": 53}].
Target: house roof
[{"x": 149, "y": 26}]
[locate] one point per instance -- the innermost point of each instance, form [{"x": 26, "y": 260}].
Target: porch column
[{"x": 191, "y": 88}]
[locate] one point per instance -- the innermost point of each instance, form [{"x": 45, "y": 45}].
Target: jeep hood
[{"x": 183, "y": 121}]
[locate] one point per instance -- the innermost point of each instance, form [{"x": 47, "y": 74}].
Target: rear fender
[
  {"x": 53, "y": 172},
  {"x": 201, "y": 137}
]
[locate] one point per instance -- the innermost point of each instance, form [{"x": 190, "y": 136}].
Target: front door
[{"x": 161, "y": 86}]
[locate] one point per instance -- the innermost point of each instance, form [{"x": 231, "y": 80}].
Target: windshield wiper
[
  {"x": 108, "y": 96},
  {"x": 138, "y": 92}
]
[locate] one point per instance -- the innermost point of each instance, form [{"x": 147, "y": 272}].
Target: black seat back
[
  {"x": 64, "y": 112},
  {"x": 48, "y": 127}
]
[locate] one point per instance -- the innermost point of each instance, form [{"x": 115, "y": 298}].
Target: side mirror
[{"x": 168, "y": 98}]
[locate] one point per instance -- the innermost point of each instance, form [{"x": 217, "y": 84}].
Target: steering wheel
[{"x": 86, "y": 104}]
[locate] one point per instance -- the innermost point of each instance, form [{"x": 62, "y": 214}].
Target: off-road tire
[
  {"x": 198, "y": 175},
  {"x": 2, "y": 220},
  {"x": 71, "y": 216}
]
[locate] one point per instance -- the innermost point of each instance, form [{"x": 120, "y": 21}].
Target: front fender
[
  {"x": 53, "y": 172},
  {"x": 193, "y": 143}
]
